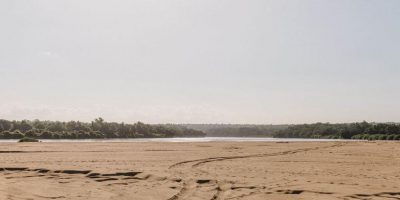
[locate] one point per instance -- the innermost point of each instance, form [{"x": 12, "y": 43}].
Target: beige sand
[{"x": 212, "y": 170}]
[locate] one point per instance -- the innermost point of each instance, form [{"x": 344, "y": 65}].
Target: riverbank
[{"x": 200, "y": 170}]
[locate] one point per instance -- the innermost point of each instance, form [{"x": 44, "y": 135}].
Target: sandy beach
[{"x": 206, "y": 170}]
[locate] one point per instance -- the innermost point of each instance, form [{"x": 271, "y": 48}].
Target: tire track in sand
[
  {"x": 199, "y": 162},
  {"x": 190, "y": 187}
]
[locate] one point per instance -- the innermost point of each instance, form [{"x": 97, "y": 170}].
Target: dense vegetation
[
  {"x": 96, "y": 129},
  {"x": 237, "y": 130},
  {"x": 363, "y": 130},
  {"x": 101, "y": 129}
]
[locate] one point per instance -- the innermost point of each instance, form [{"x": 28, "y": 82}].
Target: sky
[{"x": 200, "y": 61}]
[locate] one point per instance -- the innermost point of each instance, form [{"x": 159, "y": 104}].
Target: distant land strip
[{"x": 100, "y": 129}]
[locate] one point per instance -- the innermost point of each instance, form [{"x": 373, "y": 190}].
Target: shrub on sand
[{"x": 27, "y": 139}]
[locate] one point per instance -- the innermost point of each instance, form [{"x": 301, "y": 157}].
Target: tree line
[
  {"x": 363, "y": 130},
  {"x": 98, "y": 128},
  {"x": 245, "y": 131},
  {"x": 237, "y": 130}
]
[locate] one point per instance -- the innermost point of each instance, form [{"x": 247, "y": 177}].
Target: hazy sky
[{"x": 200, "y": 61}]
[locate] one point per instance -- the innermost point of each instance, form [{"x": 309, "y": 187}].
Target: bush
[
  {"x": 31, "y": 134},
  {"x": 11, "y": 135},
  {"x": 357, "y": 137},
  {"x": 27, "y": 139},
  {"x": 316, "y": 136},
  {"x": 46, "y": 135},
  {"x": 373, "y": 137},
  {"x": 334, "y": 137},
  {"x": 364, "y": 136},
  {"x": 390, "y": 137},
  {"x": 382, "y": 137},
  {"x": 16, "y": 135},
  {"x": 6, "y": 135}
]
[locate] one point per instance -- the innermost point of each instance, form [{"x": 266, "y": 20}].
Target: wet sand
[{"x": 206, "y": 170}]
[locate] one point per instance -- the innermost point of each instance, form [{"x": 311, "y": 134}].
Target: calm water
[{"x": 204, "y": 139}]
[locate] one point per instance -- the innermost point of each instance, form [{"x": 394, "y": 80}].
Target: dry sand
[{"x": 210, "y": 170}]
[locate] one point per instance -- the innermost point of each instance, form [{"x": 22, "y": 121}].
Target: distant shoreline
[
  {"x": 189, "y": 140},
  {"x": 100, "y": 129}
]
